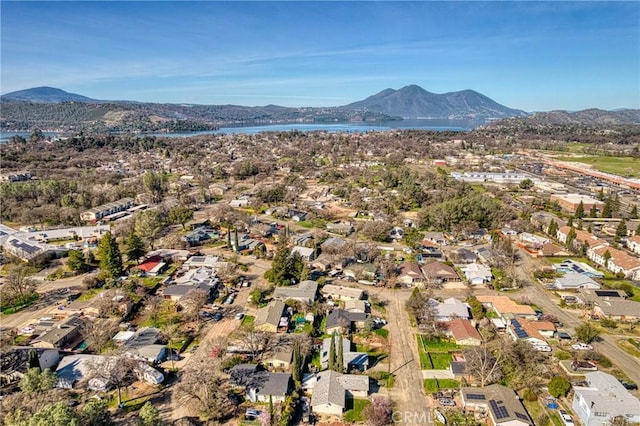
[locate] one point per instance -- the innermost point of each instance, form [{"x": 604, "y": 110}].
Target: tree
[
  {"x": 593, "y": 212},
  {"x": 559, "y": 386},
  {"x": 553, "y": 228},
  {"x": 181, "y": 215},
  {"x": 340, "y": 355},
  {"x": 32, "y": 359},
  {"x": 203, "y": 391},
  {"x": 607, "y": 209},
  {"x": 155, "y": 183},
  {"x": 280, "y": 272},
  {"x": 634, "y": 212},
  {"x": 60, "y": 414},
  {"x": 117, "y": 370},
  {"x": 148, "y": 225},
  {"x": 579, "y": 214},
  {"x": 18, "y": 286},
  {"x": 236, "y": 242},
  {"x": 332, "y": 353},
  {"x": 526, "y": 184},
  {"x": 135, "y": 247},
  {"x": 477, "y": 310},
  {"x": 296, "y": 369},
  {"x": 587, "y": 333},
  {"x": 109, "y": 253},
  {"x": 96, "y": 413},
  {"x": 607, "y": 257},
  {"x": 621, "y": 231},
  {"x": 380, "y": 412},
  {"x": 98, "y": 334},
  {"x": 192, "y": 302},
  {"x": 522, "y": 366},
  {"x": 149, "y": 415},
  {"x": 571, "y": 237},
  {"x": 35, "y": 381},
  {"x": 76, "y": 261},
  {"x": 483, "y": 364}
]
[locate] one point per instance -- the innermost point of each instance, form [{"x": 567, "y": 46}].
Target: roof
[
  {"x": 583, "y": 236},
  {"x": 571, "y": 265},
  {"x": 281, "y": 354},
  {"x": 306, "y": 290},
  {"x": 333, "y": 243},
  {"x": 575, "y": 280},
  {"x": 462, "y": 329},
  {"x": 504, "y": 305},
  {"x": 502, "y": 402},
  {"x": 62, "y": 330},
  {"x": 355, "y": 305},
  {"x": 627, "y": 308},
  {"x": 606, "y": 394},
  {"x": 17, "y": 359},
  {"x": 411, "y": 269},
  {"x": 149, "y": 352},
  {"x": 450, "y": 308},
  {"x": 551, "y": 249},
  {"x": 338, "y": 290},
  {"x": 150, "y": 263},
  {"x": 302, "y": 251},
  {"x": 143, "y": 337},
  {"x": 270, "y": 314},
  {"x": 327, "y": 390},
  {"x": 337, "y": 317},
  {"x": 440, "y": 270},
  {"x": 276, "y": 384}
]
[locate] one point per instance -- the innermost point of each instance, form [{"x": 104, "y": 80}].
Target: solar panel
[
  {"x": 477, "y": 396},
  {"x": 2, "y": 233},
  {"x": 24, "y": 246},
  {"x": 607, "y": 293},
  {"x": 522, "y": 416},
  {"x": 521, "y": 333},
  {"x": 499, "y": 410}
]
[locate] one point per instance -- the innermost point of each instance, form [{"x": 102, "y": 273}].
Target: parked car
[
  {"x": 541, "y": 348},
  {"x": 583, "y": 366},
  {"x": 447, "y": 402},
  {"x": 217, "y": 316},
  {"x": 252, "y": 414},
  {"x": 566, "y": 418},
  {"x": 239, "y": 315},
  {"x": 629, "y": 385},
  {"x": 582, "y": 347},
  {"x": 562, "y": 335}
]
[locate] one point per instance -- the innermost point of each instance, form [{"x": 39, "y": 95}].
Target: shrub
[
  {"x": 530, "y": 395},
  {"x": 563, "y": 355},
  {"x": 559, "y": 386}
]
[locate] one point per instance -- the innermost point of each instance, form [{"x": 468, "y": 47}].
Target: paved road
[
  {"x": 408, "y": 391},
  {"x": 550, "y": 305}
]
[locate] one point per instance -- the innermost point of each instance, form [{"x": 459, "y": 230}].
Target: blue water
[{"x": 434, "y": 125}]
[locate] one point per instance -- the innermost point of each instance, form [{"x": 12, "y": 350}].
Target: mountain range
[{"x": 55, "y": 109}]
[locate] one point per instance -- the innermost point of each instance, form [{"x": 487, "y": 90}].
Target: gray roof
[
  {"x": 58, "y": 333},
  {"x": 575, "y": 280},
  {"x": 276, "y": 384},
  {"x": 338, "y": 316},
  {"x": 270, "y": 314},
  {"x": 328, "y": 390},
  {"x": 607, "y": 395},
  {"x": 349, "y": 357},
  {"x": 145, "y": 336},
  {"x": 500, "y": 400},
  {"x": 305, "y": 291}
]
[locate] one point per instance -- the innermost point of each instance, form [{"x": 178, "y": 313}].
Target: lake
[{"x": 433, "y": 125}]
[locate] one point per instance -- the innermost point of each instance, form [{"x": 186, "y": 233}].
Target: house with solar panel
[
  {"x": 531, "y": 331},
  {"x": 500, "y": 404}
]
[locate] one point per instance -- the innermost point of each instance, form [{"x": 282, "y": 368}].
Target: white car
[
  {"x": 582, "y": 347},
  {"x": 566, "y": 418},
  {"x": 541, "y": 348}
]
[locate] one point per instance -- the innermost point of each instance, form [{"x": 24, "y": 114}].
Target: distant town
[{"x": 489, "y": 277}]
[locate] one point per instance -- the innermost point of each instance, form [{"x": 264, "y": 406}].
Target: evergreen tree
[
  {"x": 594, "y": 211},
  {"x": 236, "y": 242},
  {"x": 110, "y": 258},
  {"x": 580, "y": 224},
  {"x": 570, "y": 221},
  {"x": 553, "y": 228},
  {"x": 149, "y": 415},
  {"x": 607, "y": 257},
  {"x": 571, "y": 237},
  {"x": 621, "y": 231},
  {"x": 579, "y": 214},
  {"x": 607, "y": 209},
  {"x": 76, "y": 261},
  {"x": 135, "y": 247},
  {"x": 296, "y": 371},
  {"x": 601, "y": 194},
  {"x": 279, "y": 274},
  {"x": 634, "y": 212},
  {"x": 340, "y": 355},
  {"x": 332, "y": 353},
  {"x": 229, "y": 239},
  {"x": 32, "y": 359}
]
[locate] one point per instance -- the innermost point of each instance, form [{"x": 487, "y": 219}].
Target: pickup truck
[{"x": 582, "y": 347}]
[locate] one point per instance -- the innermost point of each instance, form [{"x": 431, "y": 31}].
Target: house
[
  {"x": 553, "y": 250},
  {"x": 438, "y": 273},
  {"x": 341, "y": 228},
  {"x": 338, "y": 292},
  {"x": 477, "y": 274},
  {"x": 65, "y": 335},
  {"x": 505, "y": 307},
  {"x": 297, "y": 215},
  {"x": 275, "y": 388},
  {"x": 15, "y": 362},
  {"x": 201, "y": 234},
  {"x": 500, "y": 403},
  {"x": 269, "y": 318},
  {"x": 463, "y": 255},
  {"x": 615, "y": 260},
  {"x": 153, "y": 354},
  {"x": 333, "y": 245},
  {"x": 463, "y": 332},
  {"x": 434, "y": 237},
  {"x": 633, "y": 244},
  {"x": 582, "y": 237},
  {"x": 574, "y": 266},
  {"x": 409, "y": 273},
  {"x": 570, "y": 202},
  {"x": 322, "y": 263},
  {"x": 521, "y": 329},
  {"x": 152, "y": 266},
  {"x": 302, "y": 240},
  {"x": 195, "y": 262},
  {"x": 361, "y": 271},
  {"x": 343, "y": 322},
  {"x": 176, "y": 292},
  {"x": 331, "y": 391},
  {"x": 104, "y": 210},
  {"x": 353, "y": 305},
  {"x": 450, "y": 309},
  {"x": 352, "y": 360},
  {"x": 611, "y": 304},
  {"x": 304, "y": 292},
  {"x": 279, "y": 359},
  {"x": 486, "y": 255},
  {"x": 24, "y": 249},
  {"x": 239, "y": 202},
  {"x": 603, "y": 399},
  {"x": 574, "y": 280},
  {"x": 306, "y": 253}
]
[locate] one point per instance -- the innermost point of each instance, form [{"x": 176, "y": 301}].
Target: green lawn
[
  {"x": 382, "y": 332},
  {"x": 28, "y": 302},
  {"x": 440, "y": 361},
  {"x": 356, "y": 414},
  {"x": 436, "y": 345},
  {"x": 433, "y": 385},
  {"x": 247, "y": 320},
  {"x": 430, "y": 385},
  {"x": 90, "y": 294},
  {"x": 555, "y": 419},
  {"x": 623, "y": 166}
]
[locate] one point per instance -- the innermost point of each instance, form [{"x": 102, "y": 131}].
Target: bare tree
[
  {"x": 98, "y": 333},
  {"x": 204, "y": 392},
  {"x": 256, "y": 341},
  {"x": 152, "y": 305},
  {"x": 116, "y": 369},
  {"x": 192, "y": 302},
  {"x": 18, "y": 285},
  {"x": 483, "y": 363}
]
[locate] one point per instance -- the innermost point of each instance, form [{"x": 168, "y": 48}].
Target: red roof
[
  {"x": 150, "y": 263},
  {"x": 462, "y": 329}
]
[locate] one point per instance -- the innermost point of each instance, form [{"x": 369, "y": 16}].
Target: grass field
[
  {"x": 434, "y": 353},
  {"x": 623, "y": 166},
  {"x": 433, "y": 385},
  {"x": 436, "y": 345},
  {"x": 356, "y": 414},
  {"x": 440, "y": 361}
]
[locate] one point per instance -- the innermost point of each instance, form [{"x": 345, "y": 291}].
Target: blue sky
[{"x": 527, "y": 55}]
